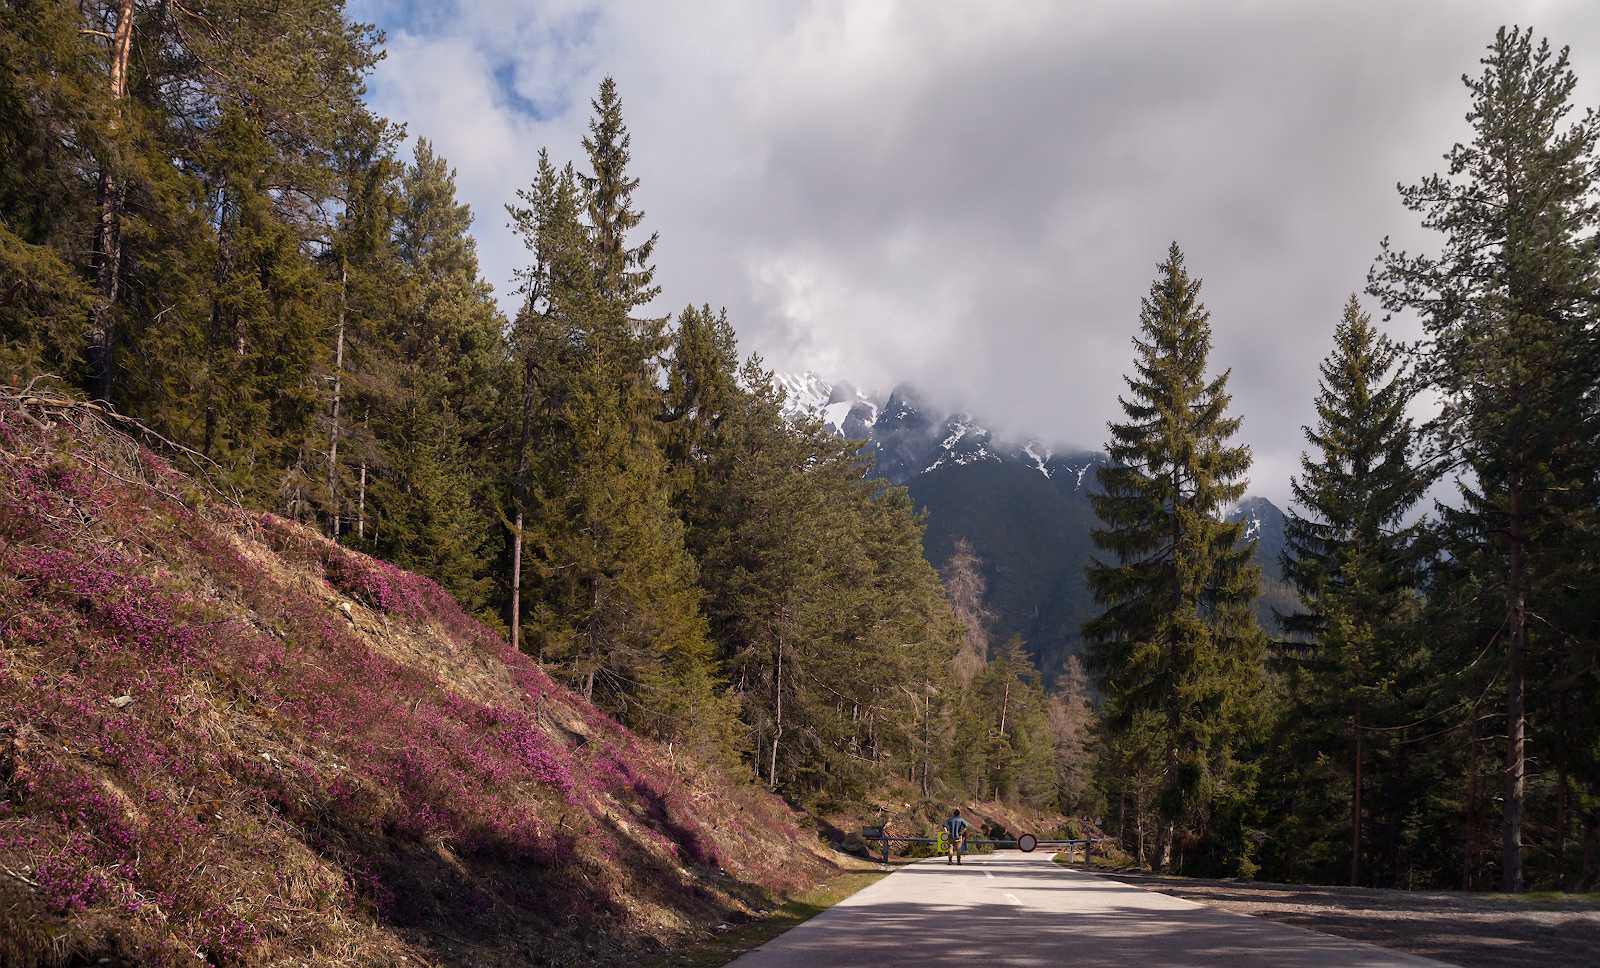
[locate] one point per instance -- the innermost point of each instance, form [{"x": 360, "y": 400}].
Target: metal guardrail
[{"x": 1024, "y": 842}]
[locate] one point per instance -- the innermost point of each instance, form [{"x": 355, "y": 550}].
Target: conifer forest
[{"x": 204, "y": 227}]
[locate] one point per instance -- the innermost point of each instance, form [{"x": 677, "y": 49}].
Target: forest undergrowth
[{"x": 226, "y": 739}]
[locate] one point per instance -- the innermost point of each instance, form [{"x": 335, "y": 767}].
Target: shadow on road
[{"x": 1039, "y": 914}]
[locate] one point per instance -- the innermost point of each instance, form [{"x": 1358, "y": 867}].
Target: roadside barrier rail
[{"x": 1024, "y": 842}]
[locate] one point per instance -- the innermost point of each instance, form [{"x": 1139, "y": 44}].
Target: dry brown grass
[{"x": 253, "y": 801}]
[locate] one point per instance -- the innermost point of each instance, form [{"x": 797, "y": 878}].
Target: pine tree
[
  {"x": 554, "y": 287},
  {"x": 50, "y": 90},
  {"x": 622, "y": 272},
  {"x": 702, "y": 390},
  {"x": 617, "y": 594},
  {"x": 439, "y": 405},
  {"x": 1071, "y": 718},
  {"x": 1178, "y": 637},
  {"x": 1020, "y": 757},
  {"x": 757, "y": 528},
  {"x": 225, "y": 176},
  {"x": 1351, "y": 557},
  {"x": 828, "y": 620},
  {"x": 965, "y": 587},
  {"x": 1508, "y": 306},
  {"x": 362, "y": 259}
]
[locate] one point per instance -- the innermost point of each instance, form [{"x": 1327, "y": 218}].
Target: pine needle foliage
[
  {"x": 616, "y": 593},
  {"x": 1509, "y": 309},
  {"x": 1178, "y": 639},
  {"x": 1357, "y": 566}
]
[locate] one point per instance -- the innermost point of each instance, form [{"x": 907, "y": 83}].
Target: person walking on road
[{"x": 955, "y": 830}]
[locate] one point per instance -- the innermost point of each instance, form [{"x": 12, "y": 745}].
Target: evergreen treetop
[
  {"x": 624, "y": 273},
  {"x": 1177, "y": 640},
  {"x": 1366, "y": 481},
  {"x": 1356, "y": 567}
]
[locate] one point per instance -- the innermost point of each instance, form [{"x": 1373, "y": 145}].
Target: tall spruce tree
[
  {"x": 618, "y": 602},
  {"x": 1509, "y": 309},
  {"x": 1177, "y": 647},
  {"x": 438, "y": 407},
  {"x": 50, "y": 90},
  {"x": 622, "y": 272},
  {"x": 1352, "y": 558},
  {"x": 553, "y": 287}
]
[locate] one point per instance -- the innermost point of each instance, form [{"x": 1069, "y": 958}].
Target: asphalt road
[{"x": 1015, "y": 909}]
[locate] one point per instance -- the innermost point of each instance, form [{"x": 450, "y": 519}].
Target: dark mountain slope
[
  {"x": 1033, "y": 540},
  {"x": 1023, "y": 506}
]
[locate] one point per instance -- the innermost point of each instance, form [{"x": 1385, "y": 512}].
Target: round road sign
[{"x": 1027, "y": 842}]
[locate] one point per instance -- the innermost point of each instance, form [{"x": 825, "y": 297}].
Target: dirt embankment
[
  {"x": 226, "y": 740},
  {"x": 1470, "y": 930}
]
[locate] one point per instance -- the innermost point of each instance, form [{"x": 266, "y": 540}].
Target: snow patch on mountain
[
  {"x": 1042, "y": 463},
  {"x": 911, "y": 438},
  {"x": 958, "y": 430},
  {"x": 833, "y": 415},
  {"x": 842, "y": 409},
  {"x": 804, "y": 393}
]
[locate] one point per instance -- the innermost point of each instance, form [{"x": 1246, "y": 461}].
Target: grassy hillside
[{"x": 226, "y": 740}]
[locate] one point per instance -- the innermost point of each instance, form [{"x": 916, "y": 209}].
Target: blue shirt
[{"x": 956, "y": 827}]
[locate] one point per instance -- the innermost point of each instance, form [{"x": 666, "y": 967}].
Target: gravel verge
[{"x": 1470, "y": 930}]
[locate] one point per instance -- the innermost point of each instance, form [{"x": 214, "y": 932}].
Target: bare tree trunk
[
  {"x": 594, "y": 648},
  {"x": 1005, "y": 702},
  {"x": 107, "y": 256},
  {"x": 1561, "y": 825},
  {"x": 516, "y": 579},
  {"x": 1166, "y": 826},
  {"x": 338, "y": 387},
  {"x": 1138, "y": 827},
  {"x": 1516, "y": 716},
  {"x": 777, "y": 717},
  {"x": 1470, "y": 848},
  {"x": 1291, "y": 855},
  {"x": 519, "y": 497},
  {"x": 361, "y": 505},
  {"x": 927, "y": 734},
  {"x": 1355, "y": 808},
  {"x": 1122, "y": 815}
]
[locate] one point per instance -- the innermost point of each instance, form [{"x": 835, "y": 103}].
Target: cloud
[{"x": 973, "y": 196}]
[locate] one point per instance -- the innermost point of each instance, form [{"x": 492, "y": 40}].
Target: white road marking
[
  {"x": 1014, "y": 900},
  {"x": 988, "y": 875}
]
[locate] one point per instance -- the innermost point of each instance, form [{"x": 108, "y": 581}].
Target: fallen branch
[
  {"x": 41, "y": 409},
  {"x": 21, "y": 877}
]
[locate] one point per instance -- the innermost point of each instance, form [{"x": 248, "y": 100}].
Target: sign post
[{"x": 876, "y": 833}]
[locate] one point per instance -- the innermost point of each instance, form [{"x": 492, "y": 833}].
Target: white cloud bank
[{"x": 973, "y": 196}]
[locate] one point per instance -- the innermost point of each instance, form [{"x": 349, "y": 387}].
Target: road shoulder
[
  {"x": 726, "y": 943},
  {"x": 1491, "y": 931}
]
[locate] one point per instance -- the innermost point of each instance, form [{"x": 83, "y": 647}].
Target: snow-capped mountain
[
  {"x": 1263, "y": 525},
  {"x": 842, "y": 409},
  {"x": 911, "y": 437},
  {"x": 1023, "y": 505}
]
